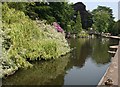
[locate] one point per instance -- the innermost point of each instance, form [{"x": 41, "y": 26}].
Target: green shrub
[
  {"x": 83, "y": 34},
  {"x": 24, "y": 38}
]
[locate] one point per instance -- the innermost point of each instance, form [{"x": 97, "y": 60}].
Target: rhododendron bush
[{"x": 57, "y": 26}]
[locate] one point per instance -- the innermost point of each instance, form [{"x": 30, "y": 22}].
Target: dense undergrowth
[{"x": 23, "y": 39}]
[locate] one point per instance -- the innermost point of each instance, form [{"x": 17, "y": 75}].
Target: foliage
[
  {"x": 18, "y": 6},
  {"x": 83, "y": 34},
  {"x": 116, "y": 28},
  {"x": 103, "y": 19},
  {"x": 60, "y": 12},
  {"x": 58, "y": 28},
  {"x": 26, "y": 39},
  {"x": 71, "y": 26},
  {"x": 78, "y": 25},
  {"x": 86, "y": 16}
]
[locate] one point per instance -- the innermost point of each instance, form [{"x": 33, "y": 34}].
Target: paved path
[
  {"x": 119, "y": 65},
  {"x": 114, "y": 47},
  {"x": 115, "y": 37},
  {"x": 113, "y": 71}
]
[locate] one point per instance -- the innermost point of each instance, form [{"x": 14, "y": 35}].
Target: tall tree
[
  {"x": 103, "y": 19},
  {"x": 86, "y": 16},
  {"x": 78, "y": 24},
  {"x": 61, "y": 12}
]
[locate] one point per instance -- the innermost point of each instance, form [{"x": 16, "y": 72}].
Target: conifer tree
[{"x": 78, "y": 24}]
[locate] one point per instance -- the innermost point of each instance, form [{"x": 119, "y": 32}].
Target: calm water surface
[{"x": 83, "y": 66}]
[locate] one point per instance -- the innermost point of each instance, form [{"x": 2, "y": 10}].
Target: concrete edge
[{"x": 100, "y": 82}]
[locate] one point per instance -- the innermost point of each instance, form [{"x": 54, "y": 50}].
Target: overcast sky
[{"x": 92, "y": 4}]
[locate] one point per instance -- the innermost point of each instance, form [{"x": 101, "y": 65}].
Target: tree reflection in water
[
  {"x": 80, "y": 53},
  {"x": 42, "y": 73},
  {"x": 100, "y": 51},
  {"x": 53, "y": 72}
]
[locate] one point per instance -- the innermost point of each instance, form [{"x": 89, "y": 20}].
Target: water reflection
[
  {"x": 89, "y": 61},
  {"x": 82, "y": 50},
  {"x": 100, "y": 51},
  {"x": 41, "y": 74},
  {"x": 80, "y": 67}
]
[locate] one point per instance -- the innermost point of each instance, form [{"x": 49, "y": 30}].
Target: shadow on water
[
  {"x": 85, "y": 65},
  {"x": 42, "y": 73}
]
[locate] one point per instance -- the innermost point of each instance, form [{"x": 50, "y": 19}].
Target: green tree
[
  {"x": 116, "y": 28},
  {"x": 18, "y": 5},
  {"x": 70, "y": 26},
  {"x": 103, "y": 19},
  {"x": 78, "y": 25},
  {"x": 63, "y": 13},
  {"x": 60, "y": 12}
]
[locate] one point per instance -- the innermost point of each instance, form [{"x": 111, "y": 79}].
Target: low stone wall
[{"x": 111, "y": 75}]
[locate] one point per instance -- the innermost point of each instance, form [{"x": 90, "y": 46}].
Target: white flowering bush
[
  {"x": 83, "y": 34},
  {"x": 25, "y": 39}
]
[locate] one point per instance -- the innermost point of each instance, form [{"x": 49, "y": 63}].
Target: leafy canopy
[{"x": 103, "y": 19}]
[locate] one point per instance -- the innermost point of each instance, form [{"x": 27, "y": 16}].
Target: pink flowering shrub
[{"x": 57, "y": 26}]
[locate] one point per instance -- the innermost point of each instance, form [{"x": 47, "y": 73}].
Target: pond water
[{"x": 85, "y": 65}]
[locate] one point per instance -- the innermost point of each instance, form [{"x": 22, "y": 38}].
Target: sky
[{"x": 92, "y": 4}]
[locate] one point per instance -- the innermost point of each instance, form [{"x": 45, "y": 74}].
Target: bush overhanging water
[{"x": 23, "y": 39}]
